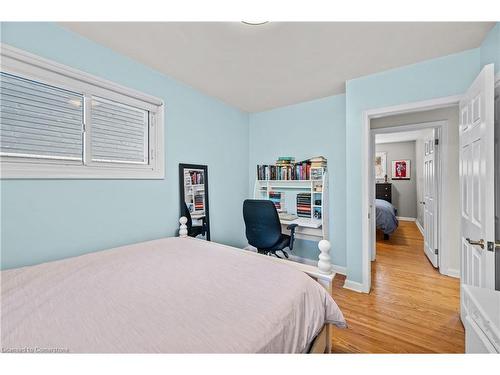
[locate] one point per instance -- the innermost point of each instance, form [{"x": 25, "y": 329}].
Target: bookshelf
[
  {"x": 194, "y": 192},
  {"x": 313, "y": 226}
]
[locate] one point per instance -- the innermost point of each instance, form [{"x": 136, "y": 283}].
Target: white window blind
[
  {"x": 59, "y": 122},
  {"x": 39, "y": 120},
  {"x": 119, "y": 132}
]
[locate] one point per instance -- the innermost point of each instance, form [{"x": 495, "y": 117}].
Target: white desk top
[
  {"x": 197, "y": 216},
  {"x": 303, "y": 222}
]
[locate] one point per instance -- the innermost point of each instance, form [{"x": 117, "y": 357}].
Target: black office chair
[
  {"x": 196, "y": 230},
  {"x": 263, "y": 227}
]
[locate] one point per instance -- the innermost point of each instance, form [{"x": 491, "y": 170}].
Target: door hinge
[
  {"x": 436, "y": 142},
  {"x": 436, "y": 251}
]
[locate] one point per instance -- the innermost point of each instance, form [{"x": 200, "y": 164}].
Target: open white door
[
  {"x": 477, "y": 183},
  {"x": 372, "y": 208},
  {"x": 430, "y": 200}
]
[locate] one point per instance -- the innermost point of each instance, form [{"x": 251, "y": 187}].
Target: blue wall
[
  {"x": 490, "y": 48},
  {"x": 305, "y": 130},
  {"x": 44, "y": 220},
  {"x": 445, "y": 76}
]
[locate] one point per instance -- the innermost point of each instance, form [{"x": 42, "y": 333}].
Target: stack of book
[
  {"x": 318, "y": 162},
  {"x": 304, "y": 205},
  {"x": 284, "y": 161},
  {"x": 276, "y": 197},
  {"x": 198, "y": 202}
]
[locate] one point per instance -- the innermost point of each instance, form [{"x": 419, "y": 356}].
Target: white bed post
[
  {"x": 183, "y": 232},
  {"x": 324, "y": 264}
]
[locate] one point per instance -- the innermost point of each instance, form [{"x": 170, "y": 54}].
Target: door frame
[
  {"x": 367, "y": 170},
  {"x": 441, "y": 155}
]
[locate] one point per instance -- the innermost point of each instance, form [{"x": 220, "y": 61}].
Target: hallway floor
[{"x": 411, "y": 308}]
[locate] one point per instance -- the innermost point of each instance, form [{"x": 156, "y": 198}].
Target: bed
[
  {"x": 386, "y": 219},
  {"x": 172, "y": 295}
]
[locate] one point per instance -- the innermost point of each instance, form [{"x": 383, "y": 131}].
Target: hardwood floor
[{"x": 411, "y": 308}]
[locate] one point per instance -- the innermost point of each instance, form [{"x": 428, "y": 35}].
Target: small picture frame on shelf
[{"x": 317, "y": 213}]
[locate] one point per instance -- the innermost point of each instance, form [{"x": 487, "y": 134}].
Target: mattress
[
  {"x": 170, "y": 295},
  {"x": 386, "y": 219}
]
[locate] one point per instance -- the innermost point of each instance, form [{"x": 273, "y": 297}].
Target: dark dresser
[{"x": 384, "y": 191}]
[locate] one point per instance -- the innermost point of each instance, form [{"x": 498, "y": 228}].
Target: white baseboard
[
  {"x": 419, "y": 227},
  {"x": 339, "y": 269},
  {"x": 355, "y": 286},
  {"x": 453, "y": 273},
  {"x": 404, "y": 218}
]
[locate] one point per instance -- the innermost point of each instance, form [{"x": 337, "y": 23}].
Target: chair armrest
[{"x": 292, "y": 227}]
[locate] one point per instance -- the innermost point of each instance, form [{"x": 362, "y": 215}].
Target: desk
[
  {"x": 289, "y": 189},
  {"x": 308, "y": 229},
  {"x": 197, "y": 216}
]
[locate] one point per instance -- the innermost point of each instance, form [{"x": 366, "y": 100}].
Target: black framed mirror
[{"x": 193, "y": 189}]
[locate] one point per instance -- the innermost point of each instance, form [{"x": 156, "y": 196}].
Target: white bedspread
[{"x": 168, "y": 296}]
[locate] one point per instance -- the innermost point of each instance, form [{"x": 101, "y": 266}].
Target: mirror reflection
[{"x": 193, "y": 188}]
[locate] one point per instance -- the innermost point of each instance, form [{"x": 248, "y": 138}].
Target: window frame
[{"x": 18, "y": 62}]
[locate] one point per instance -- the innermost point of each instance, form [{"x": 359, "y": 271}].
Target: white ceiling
[
  {"x": 402, "y": 136},
  {"x": 256, "y": 68}
]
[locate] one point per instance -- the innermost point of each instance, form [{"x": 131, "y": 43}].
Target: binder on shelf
[{"x": 304, "y": 205}]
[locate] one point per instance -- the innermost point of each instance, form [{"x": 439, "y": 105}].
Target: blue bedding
[{"x": 385, "y": 216}]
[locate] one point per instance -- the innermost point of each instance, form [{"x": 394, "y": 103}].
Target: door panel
[
  {"x": 430, "y": 195},
  {"x": 465, "y": 272},
  {"x": 477, "y": 182}
]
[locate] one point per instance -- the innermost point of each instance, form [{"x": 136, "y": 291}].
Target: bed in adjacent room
[
  {"x": 386, "y": 219},
  {"x": 172, "y": 295}
]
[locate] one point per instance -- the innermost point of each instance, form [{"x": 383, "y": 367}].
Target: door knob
[
  {"x": 479, "y": 243},
  {"x": 492, "y": 246}
]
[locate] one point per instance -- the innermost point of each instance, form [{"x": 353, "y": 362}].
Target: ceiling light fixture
[{"x": 254, "y": 23}]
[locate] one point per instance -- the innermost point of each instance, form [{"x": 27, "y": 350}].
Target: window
[
  {"x": 119, "y": 133},
  {"x": 56, "y": 122}
]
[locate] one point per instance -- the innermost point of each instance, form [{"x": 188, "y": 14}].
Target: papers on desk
[
  {"x": 304, "y": 222},
  {"x": 284, "y": 216}
]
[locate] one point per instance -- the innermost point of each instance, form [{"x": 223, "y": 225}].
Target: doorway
[
  {"x": 407, "y": 182},
  {"x": 412, "y": 114}
]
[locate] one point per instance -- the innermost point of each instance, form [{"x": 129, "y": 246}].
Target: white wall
[{"x": 450, "y": 172}]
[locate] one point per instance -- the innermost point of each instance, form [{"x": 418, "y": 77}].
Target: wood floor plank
[{"x": 411, "y": 308}]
